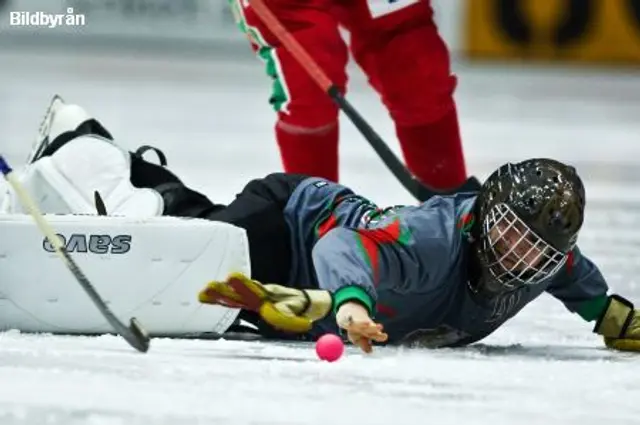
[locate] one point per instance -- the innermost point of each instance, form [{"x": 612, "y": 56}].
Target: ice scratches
[
  {"x": 13, "y": 414},
  {"x": 537, "y": 352}
]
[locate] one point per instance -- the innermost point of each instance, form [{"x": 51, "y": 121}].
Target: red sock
[
  {"x": 311, "y": 152},
  {"x": 433, "y": 152}
]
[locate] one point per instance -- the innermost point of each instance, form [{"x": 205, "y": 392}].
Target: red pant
[{"x": 396, "y": 44}]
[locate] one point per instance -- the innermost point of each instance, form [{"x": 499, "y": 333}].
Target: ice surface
[
  {"x": 212, "y": 121},
  {"x": 550, "y": 378}
]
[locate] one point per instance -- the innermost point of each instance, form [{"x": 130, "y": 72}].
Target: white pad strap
[{"x": 65, "y": 182}]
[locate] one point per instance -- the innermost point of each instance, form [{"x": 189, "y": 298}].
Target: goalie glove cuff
[
  {"x": 318, "y": 304},
  {"x": 616, "y": 318}
]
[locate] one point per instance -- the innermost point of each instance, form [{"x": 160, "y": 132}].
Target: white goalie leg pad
[
  {"x": 151, "y": 269},
  {"x": 66, "y": 182},
  {"x": 60, "y": 118},
  {"x": 67, "y": 118}
]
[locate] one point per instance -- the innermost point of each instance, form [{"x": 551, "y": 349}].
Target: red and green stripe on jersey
[{"x": 368, "y": 240}]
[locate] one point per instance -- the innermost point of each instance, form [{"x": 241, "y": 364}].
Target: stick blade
[{"x": 141, "y": 341}]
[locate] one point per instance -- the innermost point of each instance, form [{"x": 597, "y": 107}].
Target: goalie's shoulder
[{"x": 322, "y": 205}]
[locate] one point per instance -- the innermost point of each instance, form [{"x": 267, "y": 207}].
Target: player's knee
[
  {"x": 308, "y": 126},
  {"x": 305, "y": 111},
  {"x": 425, "y": 92},
  {"x": 424, "y": 105}
]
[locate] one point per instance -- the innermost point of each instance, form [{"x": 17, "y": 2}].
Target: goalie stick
[
  {"x": 420, "y": 191},
  {"x": 135, "y": 335}
]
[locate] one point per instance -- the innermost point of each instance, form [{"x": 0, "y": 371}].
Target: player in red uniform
[{"x": 397, "y": 44}]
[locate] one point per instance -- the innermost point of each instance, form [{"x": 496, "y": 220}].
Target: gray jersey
[{"x": 409, "y": 265}]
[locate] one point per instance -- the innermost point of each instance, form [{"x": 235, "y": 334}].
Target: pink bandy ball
[{"x": 329, "y": 347}]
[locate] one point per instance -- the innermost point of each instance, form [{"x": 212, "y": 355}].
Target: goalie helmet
[{"x": 527, "y": 219}]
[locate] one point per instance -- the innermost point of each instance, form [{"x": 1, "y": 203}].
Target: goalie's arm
[
  {"x": 346, "y": 269},
  {"x": 580, "y": 287},
  {"x": 583, "y": 290},
  {"x": 392, "y": 261}
]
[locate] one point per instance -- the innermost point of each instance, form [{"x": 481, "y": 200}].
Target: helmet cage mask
[{"x": 516, "y": 255}]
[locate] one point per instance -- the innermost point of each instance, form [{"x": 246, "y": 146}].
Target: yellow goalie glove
[
  {"x": 620, "y": 325},
  {"x": 286, "y": 309}
]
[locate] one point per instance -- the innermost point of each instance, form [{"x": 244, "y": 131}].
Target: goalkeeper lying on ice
[{"x": 447, "y": 272}]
